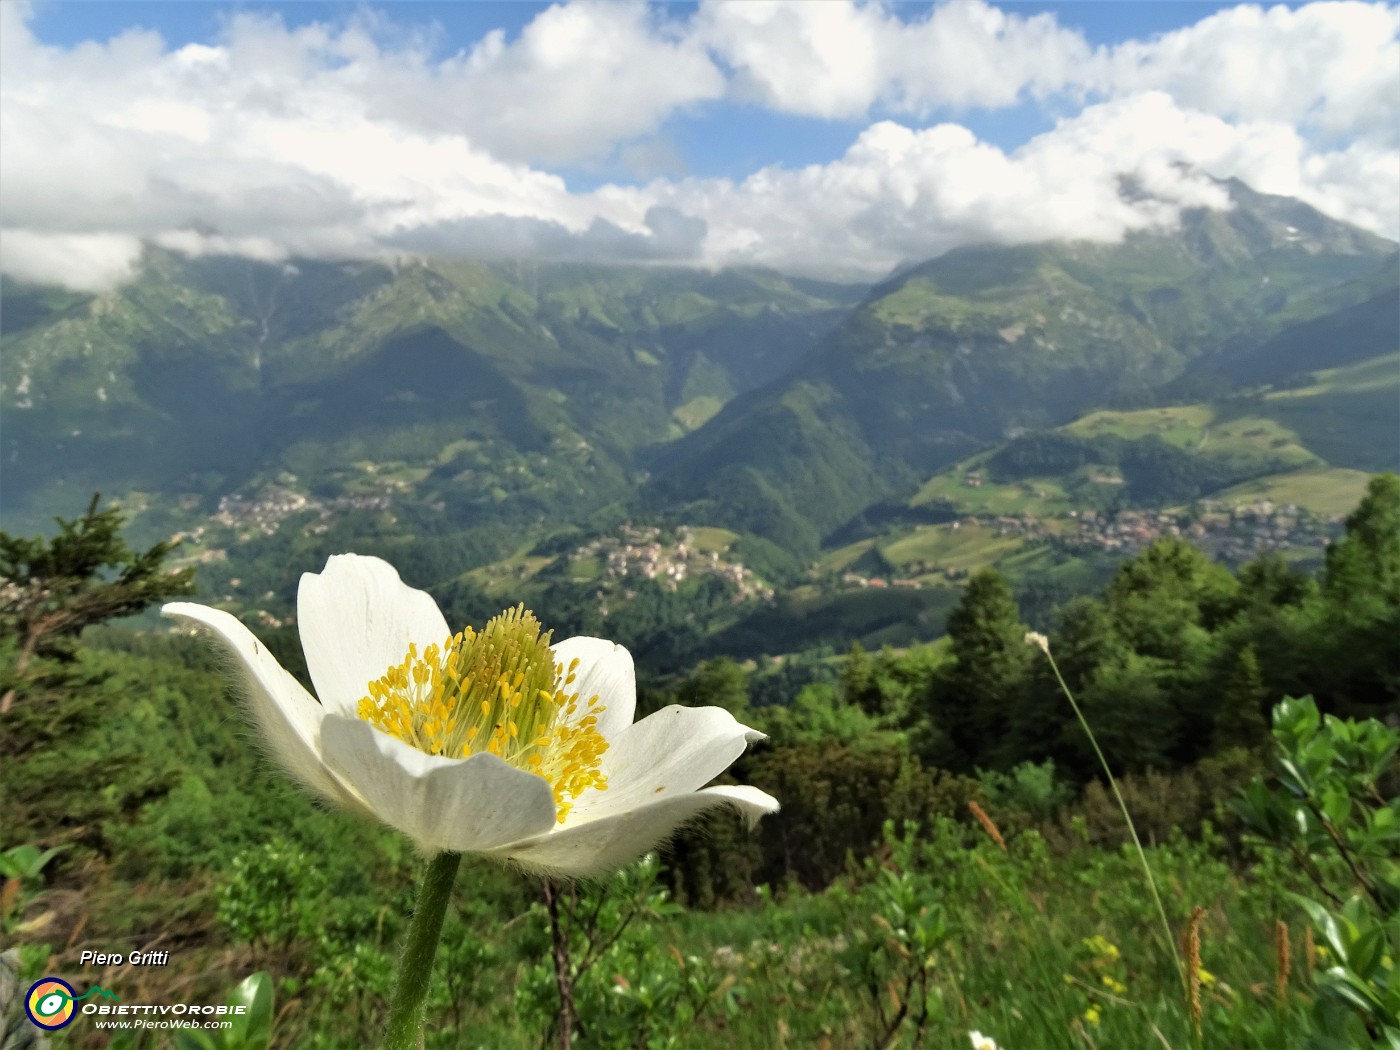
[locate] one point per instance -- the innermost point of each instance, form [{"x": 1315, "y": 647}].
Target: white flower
[
  {"x": 1038, "y": 639},
  {"x": 556, "y": 776},
  {"x": 982, "y": 1042}
]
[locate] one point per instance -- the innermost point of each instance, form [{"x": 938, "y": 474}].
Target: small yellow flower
[
  {"x": 1092, "y": 1015},
  {"x": 1207, "y": 978},
  {"x": 1115, "y": 986},
  {"x": 1101, "y": 947}
]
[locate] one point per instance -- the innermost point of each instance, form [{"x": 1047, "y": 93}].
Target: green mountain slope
[
  {"x": 961, "y": 351},
  {"x": 1264, "y": 470},
  {"x": 482, "y": 382}
]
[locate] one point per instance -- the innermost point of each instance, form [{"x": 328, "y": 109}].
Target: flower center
[{"x": 497, "y": 691}]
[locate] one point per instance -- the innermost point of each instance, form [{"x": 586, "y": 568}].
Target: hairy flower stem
[
  {"x": 562, "y": 970},
  {"x": 405, "y": 1031},
  {"x": 1123, "y": 806}
]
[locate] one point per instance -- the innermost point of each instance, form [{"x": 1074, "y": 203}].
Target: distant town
[
  {"x": 642, "y": 550},
  {"x": 1232, "y": 534},
  {"x": 1227, "y": 533}
]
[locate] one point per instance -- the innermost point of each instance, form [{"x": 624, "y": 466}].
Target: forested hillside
[
  {"x": 936, "y": 801},
  {"x": 964, "y": 350}
]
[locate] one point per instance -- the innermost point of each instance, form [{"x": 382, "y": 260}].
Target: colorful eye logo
[{"x": 49, "y": 1003}]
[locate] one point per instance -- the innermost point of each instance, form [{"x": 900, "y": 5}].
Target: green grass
[
  {"x": 697, "y": 411},
  {"x": 1018, "y": 962},
  {"x": 707, "y": 538},
  {"x": 966, "y": 548},
  {"x": 1184, "y": 426},
  {"x": 1037, "y": 496},
  {"x": 1256, "y": 435},
  {"x": 1328, "y": 491},
  {"x": 1348, "y": 416},
  {"x": 842, "y": 558},
  {"x": 1379, "y": 373},
  {"x": 585, "y": 568}
]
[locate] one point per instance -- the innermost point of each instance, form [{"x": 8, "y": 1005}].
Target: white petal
[
  {"x": 600, "y": 845},
  {"x": 671, "y": 752},
  {"x": 605, "y": 670},
  {"x": 469, "y": 805},
  {"x": 357, "y": 619},
  {"x": 288, "y": 716}
]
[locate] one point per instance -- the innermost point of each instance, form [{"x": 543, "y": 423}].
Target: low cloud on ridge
[{"x": 354, "y": 140}]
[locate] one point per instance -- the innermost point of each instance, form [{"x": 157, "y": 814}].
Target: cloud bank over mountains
[{"x": 363, "y": 139}]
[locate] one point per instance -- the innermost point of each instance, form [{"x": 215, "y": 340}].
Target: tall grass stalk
[{"x": 1041, "y": 641}]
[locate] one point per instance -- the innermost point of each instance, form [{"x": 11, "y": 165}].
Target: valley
[{"x": 513, "y": 431}]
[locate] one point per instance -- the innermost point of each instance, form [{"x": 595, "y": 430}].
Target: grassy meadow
[{"x": 950, "y": 857}]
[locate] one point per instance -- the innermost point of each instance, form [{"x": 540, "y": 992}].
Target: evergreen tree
[
  {"x": 1360, "y": 615},
  {"x": 50, "y": 590},
  {"x": 1363, "y": 570},
  {"x": 859, "y": 686},
  {"x": 973, "y": 702},
  {"x": 1269, "y": 581},
  {"x": 1239, "y": 721},
  {"x": 1168, "y": 597},
  {"x": 1137, "y": 724}
]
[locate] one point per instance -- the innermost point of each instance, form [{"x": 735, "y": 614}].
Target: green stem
[
  {"x": 1132, "y": 830},
  {"x": 405, "y": 1031}
]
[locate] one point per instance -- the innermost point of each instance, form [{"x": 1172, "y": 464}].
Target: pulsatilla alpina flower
[{"x": 491, "y": 741}]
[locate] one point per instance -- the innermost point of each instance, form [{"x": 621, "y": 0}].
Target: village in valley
[
  {"x": 1230, "y": 533},
  {"x": 929, "y": 556},
  {"x": 669, "y": 557}
]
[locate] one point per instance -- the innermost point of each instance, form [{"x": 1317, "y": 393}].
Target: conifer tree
[
  {"x": 1360, "y": 614},
  {"x": 1239, "y": 721},
  {"x": 973, "y": 702},
  {"x": 858, "y": 684},
  {"x": 50, "y": 590}
]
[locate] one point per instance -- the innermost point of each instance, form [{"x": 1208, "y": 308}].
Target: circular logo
[{"x": 49, "y": 1003}]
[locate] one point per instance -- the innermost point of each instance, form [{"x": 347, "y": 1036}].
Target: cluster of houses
[
  {"x": 1227, "y": 533},
  {"x": 642, "y": 550},
  {"x": 265, "y": 510},
  {"x": 855, "y": 579}
]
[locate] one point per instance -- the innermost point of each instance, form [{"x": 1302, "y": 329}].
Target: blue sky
[
  {"x": 723, "y": 140},
  {"x": 836, "y": 139}
]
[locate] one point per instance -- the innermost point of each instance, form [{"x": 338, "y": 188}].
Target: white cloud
[
  {"x": 840, "y": 60},
  {"x": 580, "y": 78},
  {"x": 84, "y": 262},
  {"x": 353, "y": 140},
  {"x": 276, "y": 143},
  {"x": 1335, "y": 66},
  {"x": 816, "y": 59},
  {"x": 903, "y": 194}
]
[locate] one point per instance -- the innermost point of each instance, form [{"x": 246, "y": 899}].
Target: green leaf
[
  {"x": 25, "y": 862},
  {"x": 1367, "y": 950},
  {"x": 253, "y": 1029},
  {"x": 1336, "y": 805},
  {"x": 1326, "y": 924},
  {"x": 1352, "y": 990}
]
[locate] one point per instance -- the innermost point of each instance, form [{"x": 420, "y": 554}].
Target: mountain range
[{"x": 529, "y": 398}]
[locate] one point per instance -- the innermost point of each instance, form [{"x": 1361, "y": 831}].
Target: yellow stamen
[{"x": 501, "y": 684}]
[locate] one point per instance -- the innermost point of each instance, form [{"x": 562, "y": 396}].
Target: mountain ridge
[
  {"x": 502, "y": 403},
  {"x": 953, "y": 353}
]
